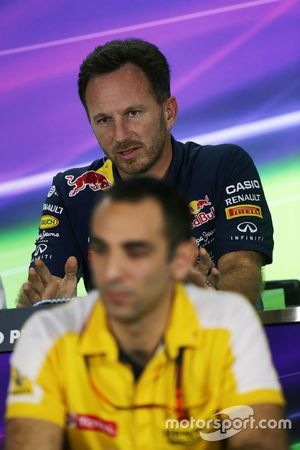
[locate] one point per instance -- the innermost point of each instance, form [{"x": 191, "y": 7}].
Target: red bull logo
[
  {"x": 201, "y": 217},
  {"x": 94, "y": 180},
  {"x": 197, "y": 205}
]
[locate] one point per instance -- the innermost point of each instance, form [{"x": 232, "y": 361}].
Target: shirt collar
[
  {"x": 173, "y": 171},
  {"x": 183, "y": 329},
  {"x": 96, "y": 337},
  {"x": 184, "y": 326}
]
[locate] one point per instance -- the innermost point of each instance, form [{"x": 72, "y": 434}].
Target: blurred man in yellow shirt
[{"x": 144, "y": 362}]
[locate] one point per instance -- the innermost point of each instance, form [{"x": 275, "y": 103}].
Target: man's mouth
[
  {"x": 117, "y": 297},
  {"x": 129, "y": 153}
]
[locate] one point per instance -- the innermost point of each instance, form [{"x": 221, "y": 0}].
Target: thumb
[
  {"x": 71, "y": 268},
  {"x": 68, "y": 286}
]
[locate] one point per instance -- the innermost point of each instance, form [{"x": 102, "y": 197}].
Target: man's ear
[
  {"x": 170, "y": 111},
  {"x": 183, "y": 260}
]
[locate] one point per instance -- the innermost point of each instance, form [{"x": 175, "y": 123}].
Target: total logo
[
  {"x": 48, "y": 222},
  {"x": 247, "y": 227},
  {"x": 201, "y": 217}
]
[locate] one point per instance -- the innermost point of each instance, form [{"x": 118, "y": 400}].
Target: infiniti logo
[
  {"x": 245, "y": 227},
  {"x": 40, "y": 249}
]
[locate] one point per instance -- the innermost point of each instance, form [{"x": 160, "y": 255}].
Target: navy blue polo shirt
[{"x": 219, "y": 182}]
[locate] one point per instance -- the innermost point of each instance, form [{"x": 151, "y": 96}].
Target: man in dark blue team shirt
[{"x": 125, "y": 89}]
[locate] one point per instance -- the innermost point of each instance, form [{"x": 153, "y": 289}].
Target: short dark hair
[
  {"x": 114, "y": 54},
  {"x": 176, "y": 213}
]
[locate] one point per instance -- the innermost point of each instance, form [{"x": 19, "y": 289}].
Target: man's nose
[
  {"x": 114, "y": 268},
  {"x": 121, "y": 131}
]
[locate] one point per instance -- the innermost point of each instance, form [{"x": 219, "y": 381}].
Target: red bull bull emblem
[
  {"x": 94, "y": 180},
  {"x": 201, "y": 217}
]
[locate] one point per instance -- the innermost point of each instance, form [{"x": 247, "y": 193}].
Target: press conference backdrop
[
  {"x": 235, "y": 72},
  {"x": 282, "y": 329}
]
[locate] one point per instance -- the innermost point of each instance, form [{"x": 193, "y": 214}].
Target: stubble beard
[{"x": 151, "y": 154}]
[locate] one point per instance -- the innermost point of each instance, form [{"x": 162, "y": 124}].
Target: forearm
[
  {"x": 29, "y": 434},
  {"x": 260, "y": 446},
  {"x": 267, "y": 440},
  {"x": 258, "y": 438},
  {"x": 241, "y": 272}
]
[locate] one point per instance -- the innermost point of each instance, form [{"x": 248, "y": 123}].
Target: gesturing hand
[
  {"x": 42, "y": 285},
  {"x": 204, "y": 274}
]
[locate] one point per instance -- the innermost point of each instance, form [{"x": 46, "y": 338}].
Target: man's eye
[
  {"x": 138, "y": 253},
  {"x": 133, "y": 113},
  {"x": 102, "y": 120}
]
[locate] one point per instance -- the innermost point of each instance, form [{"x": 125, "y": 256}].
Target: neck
[
  {"x": 141, "y": 338},
  {"x": 160, "y": 168}
]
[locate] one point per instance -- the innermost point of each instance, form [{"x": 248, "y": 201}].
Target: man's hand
[
  {"x": 42, "y": 285},
  {"x": 203, "y": 274}
]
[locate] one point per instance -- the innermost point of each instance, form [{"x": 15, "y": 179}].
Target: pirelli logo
[{"x": 243, "y": 210}]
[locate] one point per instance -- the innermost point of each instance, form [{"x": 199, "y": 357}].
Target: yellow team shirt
[{"x": 66, "y": 370}]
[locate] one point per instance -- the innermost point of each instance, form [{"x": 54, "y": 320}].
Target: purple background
[{"x": 232, "y": 63}]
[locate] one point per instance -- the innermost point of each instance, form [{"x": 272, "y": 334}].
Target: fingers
[
  {"x": 35, "y": 280},
  {"x": 71, "y": 268},
  {"x": 68, "y": 285},
  {"x": 51, "y": 290},
  {"x": 204, "y": 274},
  {"x": 196, "y": 278},
  {"x": 202, "y": 281},
  {"x": 39, "y": 277},
  {"x": 213, "y": 278},
  {"x": 43, "y": 272},
  {"x": 28, "y": 296},
  {"x": 42, "y": 285},
  {"x": 204, "y": 261}
]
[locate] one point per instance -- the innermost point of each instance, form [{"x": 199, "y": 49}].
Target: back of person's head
[
  {"x": 176, "y": 214},
  {"x": 114, "y": 54}
]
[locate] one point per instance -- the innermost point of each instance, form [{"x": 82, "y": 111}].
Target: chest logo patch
[
  {"x": 197, "y": 209},
  {"x": 96, "y": 181},
  {"x": 92, "y": 423},
  {"x": 48, "y": 222}
]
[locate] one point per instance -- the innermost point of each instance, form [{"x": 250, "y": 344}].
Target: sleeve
[
  {"x": 243, "y": 219},
  {"x": 249, "y": 376},
  {"x": 35, "y": 388},
  {"x": 56, "y": 240}
]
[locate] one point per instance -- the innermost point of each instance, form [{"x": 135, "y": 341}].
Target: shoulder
[
  {"x": 220, "y": 309},
  {"x": 77, "y": 171},
  {"x": 96, "y": 176},
  {"x": 44, "y": 328},
  {"x": 219, "y": 150},
  {"x": 211, "y": 157}
]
